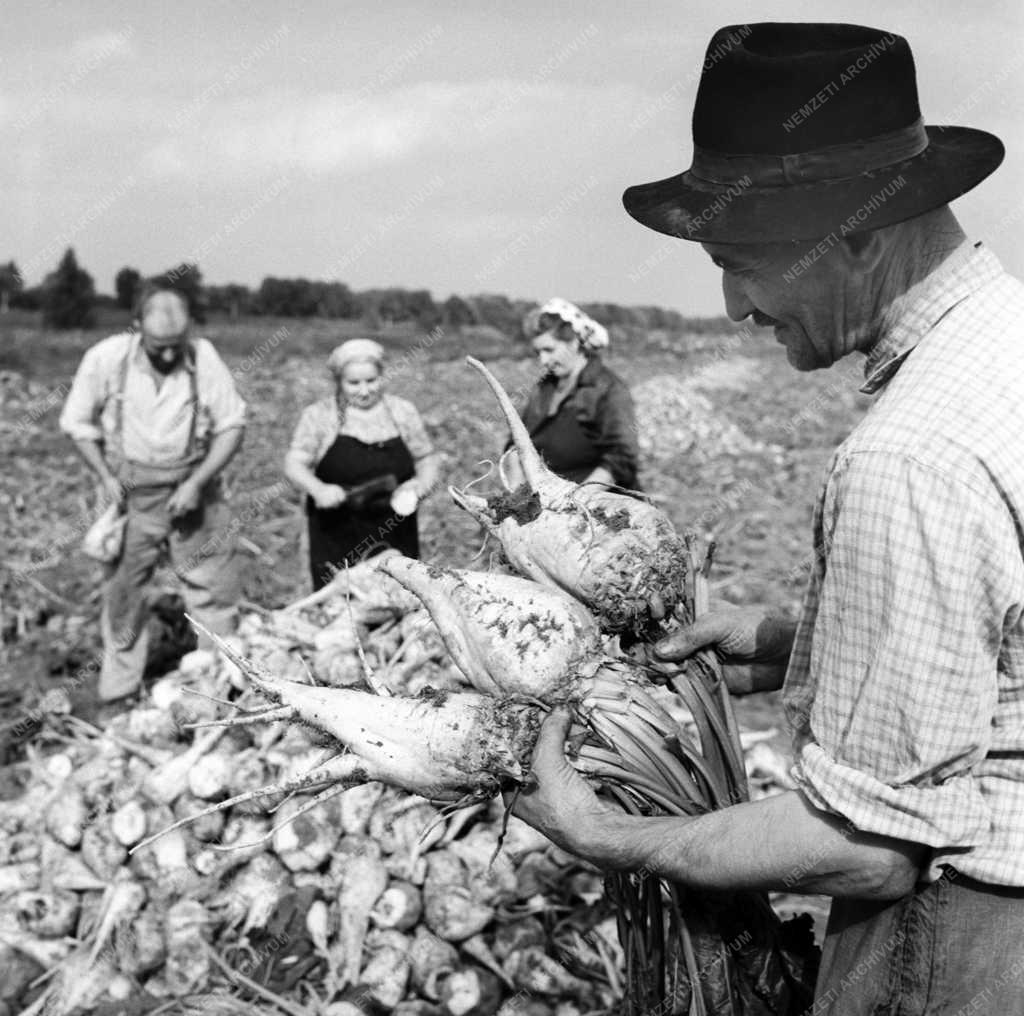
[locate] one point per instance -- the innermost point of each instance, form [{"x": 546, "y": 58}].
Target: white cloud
[
  {"x": 354, "y": 132},
  {"x": 106, "y": 45},
  {"x": 337, "y": 132},
  {"x": 485, "y": 227},
  {"x": 164, "y": 160}
]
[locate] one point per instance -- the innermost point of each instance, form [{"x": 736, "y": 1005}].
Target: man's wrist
[
  {"x": 196, "y": 481},
  {"x": 616, "y": 841},
  {"x": 610, "y": 840}
]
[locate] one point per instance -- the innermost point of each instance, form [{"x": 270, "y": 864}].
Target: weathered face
[
  {"x": 809, "y": 308},
  {"x": 361, "y": 384},
  {"x": 558, "y": 351},
  {"x": 164, "y": 329}
]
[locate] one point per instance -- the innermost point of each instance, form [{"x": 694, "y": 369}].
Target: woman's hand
[
  {"x": 328, "y": 495},
  {"x": 753, "y": 646},
  {"x": 405, "y": 498}
]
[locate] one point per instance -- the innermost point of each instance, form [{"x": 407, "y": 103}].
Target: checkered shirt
[{"x": 905, "y": 689}]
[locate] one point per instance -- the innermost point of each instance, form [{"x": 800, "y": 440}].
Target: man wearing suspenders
[{"x": 156, "y": 416}]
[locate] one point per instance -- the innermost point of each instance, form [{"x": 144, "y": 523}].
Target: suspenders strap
[{"x": 193, "y": 382}]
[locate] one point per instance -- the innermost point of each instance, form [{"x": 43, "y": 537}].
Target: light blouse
[{"x": 322, "y": 422}]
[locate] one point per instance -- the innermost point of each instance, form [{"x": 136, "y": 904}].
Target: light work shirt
[
  {"x": 156, "y": 421},
  {"x": 905, "y": 689}
]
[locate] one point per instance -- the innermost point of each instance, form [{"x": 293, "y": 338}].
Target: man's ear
[{"x": 863, "y": 251}]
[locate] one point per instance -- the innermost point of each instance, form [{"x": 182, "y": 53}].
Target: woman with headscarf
[
  {"x": 364, "y": 460},
  {"x": 580, "y": 414}
]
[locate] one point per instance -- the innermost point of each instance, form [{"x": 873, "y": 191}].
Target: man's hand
[
  {"x": 328, "y": 495},
  {"x": 754, "y": 647},
  {"x": 186, "y": 498},
  {"x": 113, "y": 489},
  {"x": 561, "y": 804}
]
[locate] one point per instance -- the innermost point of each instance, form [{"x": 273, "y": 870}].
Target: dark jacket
[{"x": 594, "y": 426}]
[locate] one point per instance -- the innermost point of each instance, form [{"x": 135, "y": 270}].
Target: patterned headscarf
[
  {"x": 591, "y": 335},
  {"x": 355, "y": 351}
]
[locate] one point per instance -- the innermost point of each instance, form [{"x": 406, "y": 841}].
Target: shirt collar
[
  {"x": 590, "y": 373},
  {"x": 588, "y": 376},
  {"x": 909, "y": 320},
  {"x": 188, "y": 361}
]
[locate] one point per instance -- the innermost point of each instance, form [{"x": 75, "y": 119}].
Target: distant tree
[
  {"x": 30, "y": 298},
  {"x": 393, "y": 306},
  {"x": 421, "y": 308},
  {"x": 497, "y": 310},
  {"x": 232, "y": 299},
  {"x": 187, "y": 279},
  {"x": 272, "y": 296},
  {"x": 456, "y": 313},
  {"x": 606, "y": 313},
  {"x": 68, "y": 295},
  {"x": 368, "y": 311},
  {"x": 369, "y": 306},
  {"x": 11, "y": 284},
  {"x": 337, "y": 301},
  {"x": 642, "y": 317},
  {"x": 290, "y": 297},
  {"x": 126, "y": 285},
  {"x": 305, "y": 297}
]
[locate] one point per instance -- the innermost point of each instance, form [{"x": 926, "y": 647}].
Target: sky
[{"x": 467, "y": 148}]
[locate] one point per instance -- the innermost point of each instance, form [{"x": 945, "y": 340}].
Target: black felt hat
[{"x": 805, "y": 130}]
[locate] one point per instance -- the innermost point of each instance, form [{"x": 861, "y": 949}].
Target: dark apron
[
  {"x": 341, "y": 536},
  {"x": 564, "y": 445}
]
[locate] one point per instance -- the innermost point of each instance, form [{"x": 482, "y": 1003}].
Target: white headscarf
[
  {"x": 355, "y": 351},
  {"x": 590, "y": 334}
]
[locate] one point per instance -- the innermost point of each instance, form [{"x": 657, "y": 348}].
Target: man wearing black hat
[{"x": 822, "y": 196}]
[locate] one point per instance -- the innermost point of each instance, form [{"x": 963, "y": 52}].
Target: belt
[{"x": 139, "y": 476}]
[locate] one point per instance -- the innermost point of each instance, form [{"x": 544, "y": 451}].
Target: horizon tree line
[{"x": 68, "y": 298}]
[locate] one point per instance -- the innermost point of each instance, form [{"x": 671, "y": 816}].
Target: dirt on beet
[
  {"x": 615, "y": 521},
  {"x": 522, "y": 505}
]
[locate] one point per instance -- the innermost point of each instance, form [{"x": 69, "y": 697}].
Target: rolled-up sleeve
[
  {"x": 217, "y": 391},
  {"x": 920, "y": 573},
  {"x": 80, "y": 416},
  {"x": 411, "y": 427},
  {"x": 615, "y": 435}
]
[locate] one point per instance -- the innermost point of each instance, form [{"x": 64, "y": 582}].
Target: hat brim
[{"x": 684, "y": 206}]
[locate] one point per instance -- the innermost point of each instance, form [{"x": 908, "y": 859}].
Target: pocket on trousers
[{"x": 912, "y": 963}]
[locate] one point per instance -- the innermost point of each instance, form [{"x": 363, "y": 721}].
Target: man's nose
[{"x": 737, "y": 304}]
